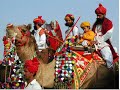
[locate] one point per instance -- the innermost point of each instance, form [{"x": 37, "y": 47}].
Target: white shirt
[
  {"x": 40, "y": 39},
  {"x": 72, "y": 33},
  {"x": 99, "y": 37},
  {"x": 33, "y": 85}
]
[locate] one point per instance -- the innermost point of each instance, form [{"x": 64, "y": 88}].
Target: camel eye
[{"x": 23, "y": 30}]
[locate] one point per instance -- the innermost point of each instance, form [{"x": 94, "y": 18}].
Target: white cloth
[
  {"x": 107, "y": 55},
  {"x": 85, "y": 43},
  {"x": 40, "y": 40},
  {"x": 108, "y": 35},
  {"x": 72, "y": 33},
  {"x": 103, "y": 46},
  {"x": 33, "y": 85}
]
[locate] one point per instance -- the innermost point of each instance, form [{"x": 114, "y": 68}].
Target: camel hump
[{"x": 42, "y": 31}]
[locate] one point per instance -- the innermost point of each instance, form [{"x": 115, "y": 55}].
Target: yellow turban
[{"x": 85, "y": 24}]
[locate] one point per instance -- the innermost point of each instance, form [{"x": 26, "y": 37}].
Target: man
[
  {"x": 30, "y": 69},
  {"x": 55, "y": 35},
  {"x": 40, "y": 37},
  {"x": 69, "y": 18},
  {"x": 54, "y": 38},
  {"x": 39, "y": 33},
  {"x": 103, "y": 28}
]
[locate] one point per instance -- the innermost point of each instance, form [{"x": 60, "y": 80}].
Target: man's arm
[{"x": 108, "y": 34}]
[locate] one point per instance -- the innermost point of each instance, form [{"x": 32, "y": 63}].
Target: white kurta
[
  {"x": 103, "y": 46},
  {"x": 40, "y": 40},
  {"x": 33, "y": 85},
  {"x": 73, "y": 33}
]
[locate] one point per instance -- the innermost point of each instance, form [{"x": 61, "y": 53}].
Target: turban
[
  {"x": 32, "y": 65},
  {"x": 100, "y": 10},
  {"x": 85, "y": 24},
  {"x": 39, "y": 20},
  {"x": 69, "y": 15}
]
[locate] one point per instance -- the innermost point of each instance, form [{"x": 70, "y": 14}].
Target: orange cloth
[
  {"x": 100, "y": 10},
  {"x": 85, "y": 24},
  {"x": 42, "y": 31},
  {"x": 89, "y": 36},
  {"x": 32, "y": 65}
]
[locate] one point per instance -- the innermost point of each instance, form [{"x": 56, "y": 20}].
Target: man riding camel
[
  {"x": 103, "y": 28},
  {"x": 40, "y": 37},
  {"x": 54, "y": 38},
  {"x": 69, "y": 18}
]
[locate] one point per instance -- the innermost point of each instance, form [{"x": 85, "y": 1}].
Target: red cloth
[
  {"x": 69, "y": 15},
  {"x": 100, "y": 10},
  {"x": 86, "y": 56},
  {"x": 39, "y": 20},
  {"x": 32, "y": 65},
  {"x": 54, "y": 44},
  {"x": 106, "y": 26}
]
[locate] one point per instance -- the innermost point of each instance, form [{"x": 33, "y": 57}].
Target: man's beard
[
  {"x": 99, "y": 21},
  {"x": 35, "y": 28},
  {"x": 69, "y": 24}
]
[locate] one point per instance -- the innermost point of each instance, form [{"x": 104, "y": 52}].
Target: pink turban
[
  {"x": 39, "y": 20},
  {"x": 32, "y": 65},
  {"x": 100, "y": 10}
]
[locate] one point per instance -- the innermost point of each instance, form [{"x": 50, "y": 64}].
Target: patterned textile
[{"x": 71, "y": 67}]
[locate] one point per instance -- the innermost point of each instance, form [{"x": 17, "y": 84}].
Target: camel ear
[
  {"x": 29, "y": 26},
  {"x": 10, "y": 26}
]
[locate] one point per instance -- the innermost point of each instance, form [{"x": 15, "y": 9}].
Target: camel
[{"x": 26, "y": 49}]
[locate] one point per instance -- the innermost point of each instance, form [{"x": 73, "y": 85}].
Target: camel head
[
  {"x": 25, "y": 43},
  {"x": 21, "y": 33}
]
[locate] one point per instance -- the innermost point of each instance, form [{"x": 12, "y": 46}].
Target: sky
[{"x": 20, "y": 12}]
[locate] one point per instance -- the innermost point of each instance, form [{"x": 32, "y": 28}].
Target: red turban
[
  {"x": 39, "y": 20},
  {"x": 100, "y": 10},
  {"x": 32, "y": 65},
  {"x": 70, "y": 15}
]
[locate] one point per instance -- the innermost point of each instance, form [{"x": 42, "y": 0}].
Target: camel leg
[{"x": 105, "y": 78}]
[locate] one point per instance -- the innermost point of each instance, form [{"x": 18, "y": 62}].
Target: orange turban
[
  {"x": 100, "y": 10},
  {"x": 39, "y": 20},
  {"x": 32, "y": 65}
]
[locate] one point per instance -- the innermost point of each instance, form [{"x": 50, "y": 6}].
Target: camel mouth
[{"x": 18, "y": 43}]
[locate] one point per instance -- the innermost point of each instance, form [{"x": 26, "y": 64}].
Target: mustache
[
  {"x": 99, "y": 21},
  {"x": 69, "y": 24}
]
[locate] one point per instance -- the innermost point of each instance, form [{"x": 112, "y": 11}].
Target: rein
[{"x": 23, "y": 35}]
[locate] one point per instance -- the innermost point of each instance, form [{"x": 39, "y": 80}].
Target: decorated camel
[{"x": 82, "y": 71}]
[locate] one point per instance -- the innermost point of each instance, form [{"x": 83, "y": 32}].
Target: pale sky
[{"x": 24, "y": 11}]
